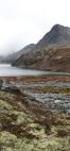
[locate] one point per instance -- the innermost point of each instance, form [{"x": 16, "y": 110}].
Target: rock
[
  {"x": 1, "y": 83},
  {"x": 11, "y": 89}
]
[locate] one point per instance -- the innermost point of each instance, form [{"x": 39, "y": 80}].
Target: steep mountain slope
[
  {"x": 58, "y": 35},
  {"x": 52, "y": 52}
]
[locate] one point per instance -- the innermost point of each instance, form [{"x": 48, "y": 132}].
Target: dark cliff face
[{"x": 52, "y": 52}]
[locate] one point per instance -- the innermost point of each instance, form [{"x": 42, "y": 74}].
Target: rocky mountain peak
[
  {"x": 57, "y": 35},
  {"x": 58, "y": 27}
]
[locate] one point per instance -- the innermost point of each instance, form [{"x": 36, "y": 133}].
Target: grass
[
  {"x": 31, "y": 127},
  {"x": 27, "y": 125}
]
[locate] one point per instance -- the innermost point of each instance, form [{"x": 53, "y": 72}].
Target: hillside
[
  {"x": 14, "y": 56},
  {"x": 52, "y": 52}
]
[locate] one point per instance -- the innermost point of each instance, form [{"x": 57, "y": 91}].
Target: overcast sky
[{"x": 26, "y": 21}]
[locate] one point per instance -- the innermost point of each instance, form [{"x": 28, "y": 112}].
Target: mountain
[
  {"x": 14, "y": 56},
  {"x": 58, "y": 35},
  {"x": 52, "y": 52}
]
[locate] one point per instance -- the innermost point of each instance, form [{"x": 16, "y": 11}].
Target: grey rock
[{"x": 1, "y": 83}]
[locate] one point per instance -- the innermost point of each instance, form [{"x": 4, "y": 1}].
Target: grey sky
[{"x": 26, "y": 21}]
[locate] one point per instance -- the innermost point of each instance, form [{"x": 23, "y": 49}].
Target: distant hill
[
  {"x": 52, "y": 52},
  {"x": 14, "y": 56}
]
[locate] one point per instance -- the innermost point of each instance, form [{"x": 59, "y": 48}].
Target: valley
[
  {"x": 50, "y": 53},
  {"x": 35, "y": 95}
]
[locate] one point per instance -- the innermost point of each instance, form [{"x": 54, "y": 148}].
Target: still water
[{"x": 8, "y": 70}]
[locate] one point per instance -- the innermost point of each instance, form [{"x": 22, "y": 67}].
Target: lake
[{"x": 8, "y": 70}]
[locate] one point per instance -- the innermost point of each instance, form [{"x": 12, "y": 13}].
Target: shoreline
[{"x": 44, "y": 78}]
